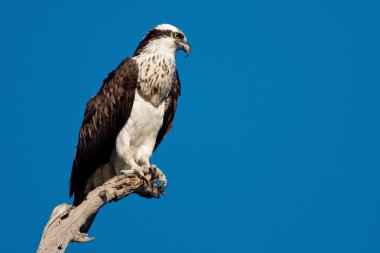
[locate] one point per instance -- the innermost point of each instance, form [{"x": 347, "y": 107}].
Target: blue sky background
[{"x": 275, "y": 146}]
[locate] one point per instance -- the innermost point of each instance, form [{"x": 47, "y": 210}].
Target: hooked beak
[{"x": 184, "y": 46}]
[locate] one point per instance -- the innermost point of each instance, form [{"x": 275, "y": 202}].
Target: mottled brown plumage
[
  {"x": 103, "y": 120},
  {"x": 130, "y": 115},
  {"x": 105, "y": 115}
]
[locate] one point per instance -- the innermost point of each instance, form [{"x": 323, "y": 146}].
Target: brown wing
[
  {"x": 106, "y": 113},
  {"x": 170, "y": 109}
]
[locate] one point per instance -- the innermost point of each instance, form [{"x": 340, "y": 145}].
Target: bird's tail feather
[
  {"x": 100, "y": 176},
  {"x": 87, "y": 225}
]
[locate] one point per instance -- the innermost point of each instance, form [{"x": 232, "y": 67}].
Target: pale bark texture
[{"x": 65, "y": 221}]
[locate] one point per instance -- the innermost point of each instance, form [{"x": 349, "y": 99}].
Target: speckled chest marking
[{"x": 155, "y": 76}]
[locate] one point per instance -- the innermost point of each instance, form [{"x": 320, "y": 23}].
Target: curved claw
[
  {"x": 162, "y": 184},
  {"x": 158, "y": 178},
  {"x": 145, "y": 180},
  {"x": 153, "y": 171},
  {"x": 82, "y": 237}
]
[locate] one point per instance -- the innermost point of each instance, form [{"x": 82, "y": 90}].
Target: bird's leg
[
  {"x": 133, "y": 172},
  {"x": 132, "y": 168},
  {"x": 145, "y": 164}
]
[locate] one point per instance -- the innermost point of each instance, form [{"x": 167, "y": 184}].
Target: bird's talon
[
  {"x": 145, "y": 180},
  {"x": 133, "y": 172},
  {"x": 152, "y": 171},
  {"x": 162, "y": 184}
]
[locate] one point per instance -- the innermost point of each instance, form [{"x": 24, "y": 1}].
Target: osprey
[{"x": 131, "y": 113}]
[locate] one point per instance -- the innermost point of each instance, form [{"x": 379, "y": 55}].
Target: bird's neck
[{"x": 156, "y": 70}]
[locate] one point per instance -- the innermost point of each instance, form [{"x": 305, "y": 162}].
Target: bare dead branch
[{"x": 65, "y": 220}]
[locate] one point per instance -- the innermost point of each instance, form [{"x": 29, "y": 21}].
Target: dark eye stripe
[
  {"x": 177, "y": 35},
  {"x": 153, "y": 34}
]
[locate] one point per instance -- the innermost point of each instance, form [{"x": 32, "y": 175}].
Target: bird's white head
[{"x": 163, "y": 38}]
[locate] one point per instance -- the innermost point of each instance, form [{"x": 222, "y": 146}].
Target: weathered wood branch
[{"x": 65, "y": 221}]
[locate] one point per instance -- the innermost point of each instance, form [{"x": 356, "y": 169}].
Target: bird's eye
[{"x": 176, "y": 35}]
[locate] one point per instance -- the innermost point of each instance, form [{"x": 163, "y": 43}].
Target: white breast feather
[
  {"x": 138, "y": 136},
  {"x": 140, "y": 132}
]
